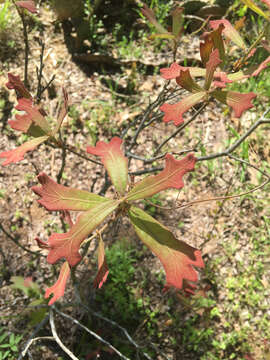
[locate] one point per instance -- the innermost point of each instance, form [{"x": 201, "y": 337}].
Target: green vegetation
[{"x": 9, "y": 345}]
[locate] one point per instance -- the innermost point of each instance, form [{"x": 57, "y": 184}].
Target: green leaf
[{"x": 255, "y": 8}]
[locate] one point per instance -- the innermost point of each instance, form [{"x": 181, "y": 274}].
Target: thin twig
[
  {"x": 151, "y": 160},
  {"x": 39, "y": 72},
  {"x": 32, "y": 337},
  {"x": 113, "y": 323},
  {"x": 147, "y": 112},
  {"x": 91, "y": 333},
  {"x": 26, "y": 43},
  {"x": 15, "y": 240},
  {"x": 34, "y": 340},
  {"x": 63, "y": 160},
  {"x": 57, "y": 339},
  {"x": 71, "y": 149},
  {"x": 242, "y": 138},
  {"x": 193, "y": 117},
  {"x": 224, "y": 197},
  {"x": 47, "y": 85},
  {"x": 146, "y": 171}
]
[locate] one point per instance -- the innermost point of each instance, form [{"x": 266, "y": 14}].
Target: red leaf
[
  {"x": 17, "y": 154},
  {"x": 174, "y": 112},
  {"x": 28, "y": 5},
  {"x": 149, "y": 14},
  {"x": 177, "y": 257},
  {"x": 261, "y": 67},
  {"x": 217, "y": 40},
  {"x": 14, "y": 82},
  {"x": 211, "y": 66},
  {"x": 103, "y": 270},
  {"x": 114, "y": 161},
  {"x": 58, "y": 197},
  {"x": 32, "y": 122},
  {"x": 58, "y": 289},
  {"x": 170, "y": 177},
  {"x": 239, "y": 102},
  {"x": 221, "y": 79},
  {"x": 206, "y": 49},
  {"x": 174, "y": 71},
  {"x": 42, "y": 244},
  {"x": 186, "y": 81},
  {"x": 67, "y": 245},
  {"x": 67, "y": 217},
  {"x": 229, "y": 31}
]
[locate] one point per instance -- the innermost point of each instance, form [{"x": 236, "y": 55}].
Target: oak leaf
[
  {"x": 170, "y": 177},
  {"x": 177, "y": 258},
  {"x": 28, "y": 5},
  {"x": 67, "y": 245},
  {"x": 114, "y": 161},
  {"x": 59, "y": 197},
  {"x": 13, "y": 156},
  {"x": 103, "y": 270},
  {"x": 58, "y": 289}
]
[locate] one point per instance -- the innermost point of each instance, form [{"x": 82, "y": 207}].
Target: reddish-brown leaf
[
  {"x": 217, "y": 40},
  {"x": 59, "y": 197},
  {"x": 229, "y": 31},
  {"x": 170, "y": 177},
  {"x": 261, "y": 67},
  {"x": 28, "y": 5},
  {"x": 221, "y": 79},
  {"x": 103, "y": 270},
  {"x": 13, "y": 156},
  {"x": 15, "y": 83},
  {"x": 174, "y": 112},
  {"x": 186, "y": 81},
  {"x": 177, "y": 257},
  {"x": 211, "y": 65},
  {"x": 174, "y": 71},
  {"x": 206, "y": 49},
  {"x": 32, "y": 122},
  {"x": 239, "y": 102},
  {"x": 58, "y": 289},
  {"x": 67, "y": 245},
  {"x": 114, "y": 161},
  {"x": 150, "y": 15}
]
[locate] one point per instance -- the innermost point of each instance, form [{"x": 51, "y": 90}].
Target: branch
[
  {"x": 15, "y": 240},
  {"x": 149, "y": 109},
  {"x": 26, "y": 43},
  {"x": 88, "y": 310},
  {"x": 151, "y": 160},
  {"x": 57, "y": 339},
  {"x": 32, "y": 338},
  {"x": 63, "y": 160},
  {"x": 180, "y": 128},
  {"x": 230, "y": 149},
  {"x": 72, "y": 150},
  {"x": 91, "y": 333},
  {"x": 39, "y": 72}
]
